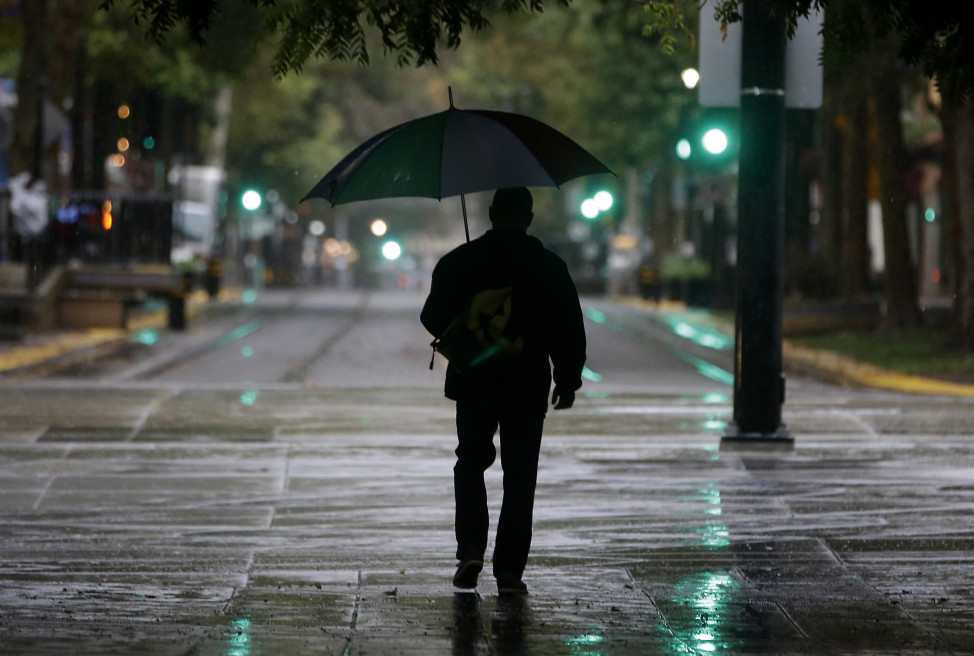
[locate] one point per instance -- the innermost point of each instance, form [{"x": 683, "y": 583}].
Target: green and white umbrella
[{"x": 456, "y": 152}]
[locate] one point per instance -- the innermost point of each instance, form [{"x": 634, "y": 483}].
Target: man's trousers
[{"x": 520, "y": 444}]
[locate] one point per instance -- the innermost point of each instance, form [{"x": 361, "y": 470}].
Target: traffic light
[
  {"x": 714, "y": 141},
  {"x": 601, "y": 201},
  {"x": 251, "y": 200},
  {"x": 391, "y": 250},
  {"x": 707, "y": 138}
]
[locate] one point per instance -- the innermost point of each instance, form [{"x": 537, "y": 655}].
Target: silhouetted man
[{"x": 512, "y": 395}]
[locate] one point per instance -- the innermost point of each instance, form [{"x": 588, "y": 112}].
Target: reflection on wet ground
[{"x": 263, "y": 520}]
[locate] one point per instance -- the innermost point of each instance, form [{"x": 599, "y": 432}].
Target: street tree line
[
  {"x": 873, "y": 51},
  {"x": 584, "y": 68}
]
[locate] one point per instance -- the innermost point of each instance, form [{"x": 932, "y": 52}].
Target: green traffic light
[
  {"x": 391, "y": 250},
  {"x": 590, "y": 208},
  {"x": 683, "y": 149},
  {"x": 715, "y": 141},
  {"x": 251, "y": 200},
  {"x": 603, "y": 200}
]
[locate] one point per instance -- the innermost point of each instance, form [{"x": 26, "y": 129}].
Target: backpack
[{"x": 485, "y": 334}]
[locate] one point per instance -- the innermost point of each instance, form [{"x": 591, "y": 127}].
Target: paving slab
[{"x": 146, "y": 519}]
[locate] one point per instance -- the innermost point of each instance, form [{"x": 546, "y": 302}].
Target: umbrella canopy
[{"x": 456, "y": 152}]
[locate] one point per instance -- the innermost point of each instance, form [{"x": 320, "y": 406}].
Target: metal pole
[{"x": 758, "y": 381}]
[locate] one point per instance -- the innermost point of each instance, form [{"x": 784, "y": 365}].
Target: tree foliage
[
  {"x": 935, "y": 35},
  {"x": 588, "y": 71},
  {"x": 335, "y": 29}
]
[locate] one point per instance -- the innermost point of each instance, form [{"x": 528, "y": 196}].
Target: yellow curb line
[
  {"x": 842, "y": 367},
  {"x": 871, "y": 376},
  {"x": 27, "y": 356},
  {"x": 31, "y": 355}
]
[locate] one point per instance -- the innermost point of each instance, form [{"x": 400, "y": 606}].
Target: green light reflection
[
  {"x": 702, "y": 335},
  {"x": 249, "y": 296},
  {"x": 147, "y": 337},
  {"x": 247, "y": 351},
  {"x": 714, "y": 425},
  {"x": 704, "y": 368},
  {"x": 249, "y": 397},
  {"x": 583, "y": 645},
  {"x": 595, "y": 315},
  {"x": 708, "y": 596},
  {"x": 715, "y": 397},
  {"x": 593, "y": 376},
  {"x": 705, "y": 617},
  {"x": 238, "y": 638},
  {"x": 239, "y": 333}
]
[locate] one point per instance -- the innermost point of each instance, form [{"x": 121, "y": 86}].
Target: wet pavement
[{"x": 163, "y": 518}]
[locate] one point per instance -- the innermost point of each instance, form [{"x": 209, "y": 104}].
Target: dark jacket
[{"x": 545, "y": 299}]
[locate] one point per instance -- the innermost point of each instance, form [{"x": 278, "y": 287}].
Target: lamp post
[{"x": 759, "y": 388}]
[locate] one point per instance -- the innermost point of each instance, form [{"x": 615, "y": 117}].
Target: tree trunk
[
  {"x": 68, "y": 19},
  {"x": 958, "y": 172},
  {"x": 855, "y": 201},
  {"x": 831, "y": 175},
  {"x": 902, "y": 307},
  {"x": 32, "y": 83}
]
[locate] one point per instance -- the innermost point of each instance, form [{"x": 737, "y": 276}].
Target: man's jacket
[{"x": 547, "y": 305}]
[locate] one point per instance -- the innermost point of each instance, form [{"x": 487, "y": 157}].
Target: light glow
[
  {"x": 251, "y": 200},
  {"x": 714, "y": 141},
  {"x": 391, "y": 250},
  {"x": 590, "y": 209}
]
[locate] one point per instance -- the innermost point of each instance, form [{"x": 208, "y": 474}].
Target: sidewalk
[
  {"x": 155, "y": 520},
  {"x": 142, "y": 518}
]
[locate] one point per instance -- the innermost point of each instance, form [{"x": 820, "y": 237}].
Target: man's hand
[{"x": 562, "y": 398}]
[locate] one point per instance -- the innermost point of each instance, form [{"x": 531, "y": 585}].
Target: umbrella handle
[{"x": 466, "y": 228}]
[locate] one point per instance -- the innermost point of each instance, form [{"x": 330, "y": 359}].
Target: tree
[
  {"x": 958, "y": 123},
  {"x": 593, "y": 74},
  {"x": 936, "y": 36},
  {"x": 902, "y": 303},
  {"x": 25, "y": 153},
  {"x": 333, "y": 29}
]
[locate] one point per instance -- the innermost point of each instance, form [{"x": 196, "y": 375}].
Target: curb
[
  {"x": 825, "y": 365},
  {"x": 847, "y": 371},
  {"x": 60, "y": 350}
]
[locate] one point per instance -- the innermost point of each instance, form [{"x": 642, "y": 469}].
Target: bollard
[{"x": 177, "y": 312}]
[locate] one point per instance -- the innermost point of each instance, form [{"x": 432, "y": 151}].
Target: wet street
[{"x": 277, "y": 479}]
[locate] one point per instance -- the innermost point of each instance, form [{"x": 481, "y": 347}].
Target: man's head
[{"x": 511, "y": 208}]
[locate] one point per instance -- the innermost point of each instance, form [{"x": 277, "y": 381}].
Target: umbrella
[{"x": 456, "y": 152}]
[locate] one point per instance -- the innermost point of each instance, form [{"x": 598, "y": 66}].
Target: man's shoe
[
  {"x": 466, "y": 576},
  {"x": 509, "y": 584}
]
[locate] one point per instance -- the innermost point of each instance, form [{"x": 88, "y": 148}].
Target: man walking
[{"x": 512, "y": 395}]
